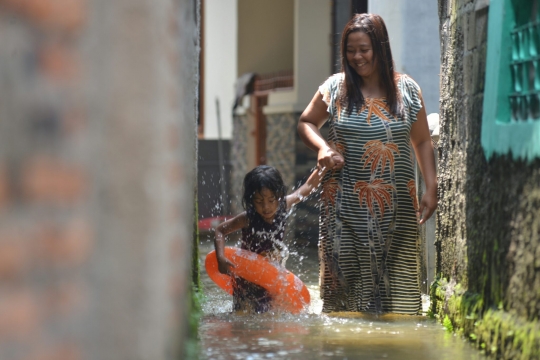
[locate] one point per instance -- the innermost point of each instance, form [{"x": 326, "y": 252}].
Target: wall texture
[
  {"x": 97, "y": 170},
  {"x": 265, "y": 36},
  {"x": 412, "y": 26},
  {"x": 488, "y": 227}
]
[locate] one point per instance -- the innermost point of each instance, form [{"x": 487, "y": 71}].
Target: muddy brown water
[{"x": 315, "y": 335}]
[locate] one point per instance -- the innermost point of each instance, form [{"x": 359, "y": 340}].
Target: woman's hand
[
  {"x": 428, "y": 204},
  {"x": 224, "y": 265},
  {"x": 311, "y": 120},
  {"x": 328, "y": 159},
  {"x": 423, "y": 149}
]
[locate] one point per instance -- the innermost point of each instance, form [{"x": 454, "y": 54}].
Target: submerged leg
[{"x": 250, "y": 297}]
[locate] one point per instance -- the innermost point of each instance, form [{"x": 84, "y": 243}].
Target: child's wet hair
[{"x": 263, "y": 176}]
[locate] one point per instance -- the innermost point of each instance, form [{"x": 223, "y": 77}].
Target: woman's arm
[
  {"x": 423, "y": 148},
  {"x": 311, "y": 120},
  {"x": 307, "y": 188},
  {"x": 223, "y": 229}
]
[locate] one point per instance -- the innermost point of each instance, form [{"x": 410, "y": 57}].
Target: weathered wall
[
  {"x": 97, "y": 169},
  {"x": 240, "y": 157},
  {"x": 488, "y": 227}
]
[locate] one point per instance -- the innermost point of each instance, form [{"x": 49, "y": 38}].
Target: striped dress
[{"x": 368, "y": 246}]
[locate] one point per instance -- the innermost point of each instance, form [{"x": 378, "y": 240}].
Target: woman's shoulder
[
  {"x": 330, "y": 87},
  {"x": 406, "y": 80},
  {"x": 410, "y": 91},
  {"x": 333, "y": 80}
]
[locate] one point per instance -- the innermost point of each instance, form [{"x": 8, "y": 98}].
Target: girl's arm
[
  {"x": 311, "y": 120},
  {"x": 223, "y": 229},
  {"x": 311, "y": 184},
  {"x": 423, "y": 148}
]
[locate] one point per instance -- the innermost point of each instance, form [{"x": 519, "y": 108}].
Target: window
[{"x": 511, "y": 109}]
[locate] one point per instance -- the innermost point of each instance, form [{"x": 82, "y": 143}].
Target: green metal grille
[
  {"x": 511, "y": 109},
  {"x": 524, "y": 95}
]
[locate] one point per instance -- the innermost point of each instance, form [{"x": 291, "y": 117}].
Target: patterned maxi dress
[{"x": 368, "y": 230}]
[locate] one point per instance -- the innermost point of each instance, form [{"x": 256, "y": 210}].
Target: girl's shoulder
[{"x": 241, "y": 220}]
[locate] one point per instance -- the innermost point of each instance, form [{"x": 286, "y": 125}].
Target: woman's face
[
  {"x": 360, "y": 54},
  {"x": 266, "y": 204}
]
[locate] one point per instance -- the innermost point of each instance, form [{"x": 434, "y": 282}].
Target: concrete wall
[
  {"x": 488, "y": 230},
  {"x": 312, "y": 56},
  {"x": 220, "y": 65},
  {"x": 392, "y": 14},
  {"x": 413, "y": 29},
  {"x": 97, "y": 171},
  {"x": 265, "y": 35}
]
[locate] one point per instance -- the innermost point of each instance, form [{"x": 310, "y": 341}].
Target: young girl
[{"x": 263, "y": 228}]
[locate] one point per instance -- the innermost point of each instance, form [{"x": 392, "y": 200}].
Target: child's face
[{"x": 266, "y": 204}]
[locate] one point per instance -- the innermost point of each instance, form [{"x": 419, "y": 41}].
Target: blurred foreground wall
[{"x": 97, "y": 171}]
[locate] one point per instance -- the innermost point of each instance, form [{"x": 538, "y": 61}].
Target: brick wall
[{"x": 97, "y": 169}]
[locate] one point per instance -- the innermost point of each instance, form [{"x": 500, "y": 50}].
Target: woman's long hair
[{"x": 350, "y": 94}]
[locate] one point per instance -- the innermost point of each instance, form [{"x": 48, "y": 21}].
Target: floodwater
[{"x": 314, "y": 335}]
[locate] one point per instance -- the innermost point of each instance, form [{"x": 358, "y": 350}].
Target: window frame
[{"x": 501, "y": 135}]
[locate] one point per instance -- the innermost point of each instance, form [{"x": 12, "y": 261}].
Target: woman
[{"x": 369, "y": 213}]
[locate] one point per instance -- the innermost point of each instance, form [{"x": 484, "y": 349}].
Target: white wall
[
  {"x": 391, "y": 12},
  {"x": 312, "y": 56},
  {"x": 422, "y": 57},
  {"x": 220, "y": 65},
  {"x": 413, "y": 27},
  {"x": 313, "y": 47}
]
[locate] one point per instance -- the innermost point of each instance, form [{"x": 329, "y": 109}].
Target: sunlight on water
[{"x": 315, "y": 335}]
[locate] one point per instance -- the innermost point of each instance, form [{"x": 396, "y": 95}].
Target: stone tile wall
[
  {"x": 238, "y": 159},
  {"x": 280, "y": 145}
]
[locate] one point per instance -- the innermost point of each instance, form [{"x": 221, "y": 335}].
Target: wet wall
[{"x": 488, "y": 225}]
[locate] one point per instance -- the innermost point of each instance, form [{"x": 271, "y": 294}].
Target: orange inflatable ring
[{"x": 288, "y": 292}]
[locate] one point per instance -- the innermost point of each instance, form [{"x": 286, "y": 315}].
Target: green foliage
[
  {"x": 197, "y": 298},
  {"x": 434, "y": 296},
  {"x": 495, "y": 331},
  {"x": 447, "y": 323},
  {"x": 195, "y": 313},
  {"x": 196, "y": 294},
  {"x": 195, "y": 269}
]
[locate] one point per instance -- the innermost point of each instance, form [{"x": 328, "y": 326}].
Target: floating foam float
[{"x": 288, "y": 292}]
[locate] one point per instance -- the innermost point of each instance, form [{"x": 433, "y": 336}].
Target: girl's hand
[
  {"x": 224, "y": 265},
  {"x": 223, "y": 229},
  {"x": 328, "y": 159},
  {"x": 428, "y": 204}
]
